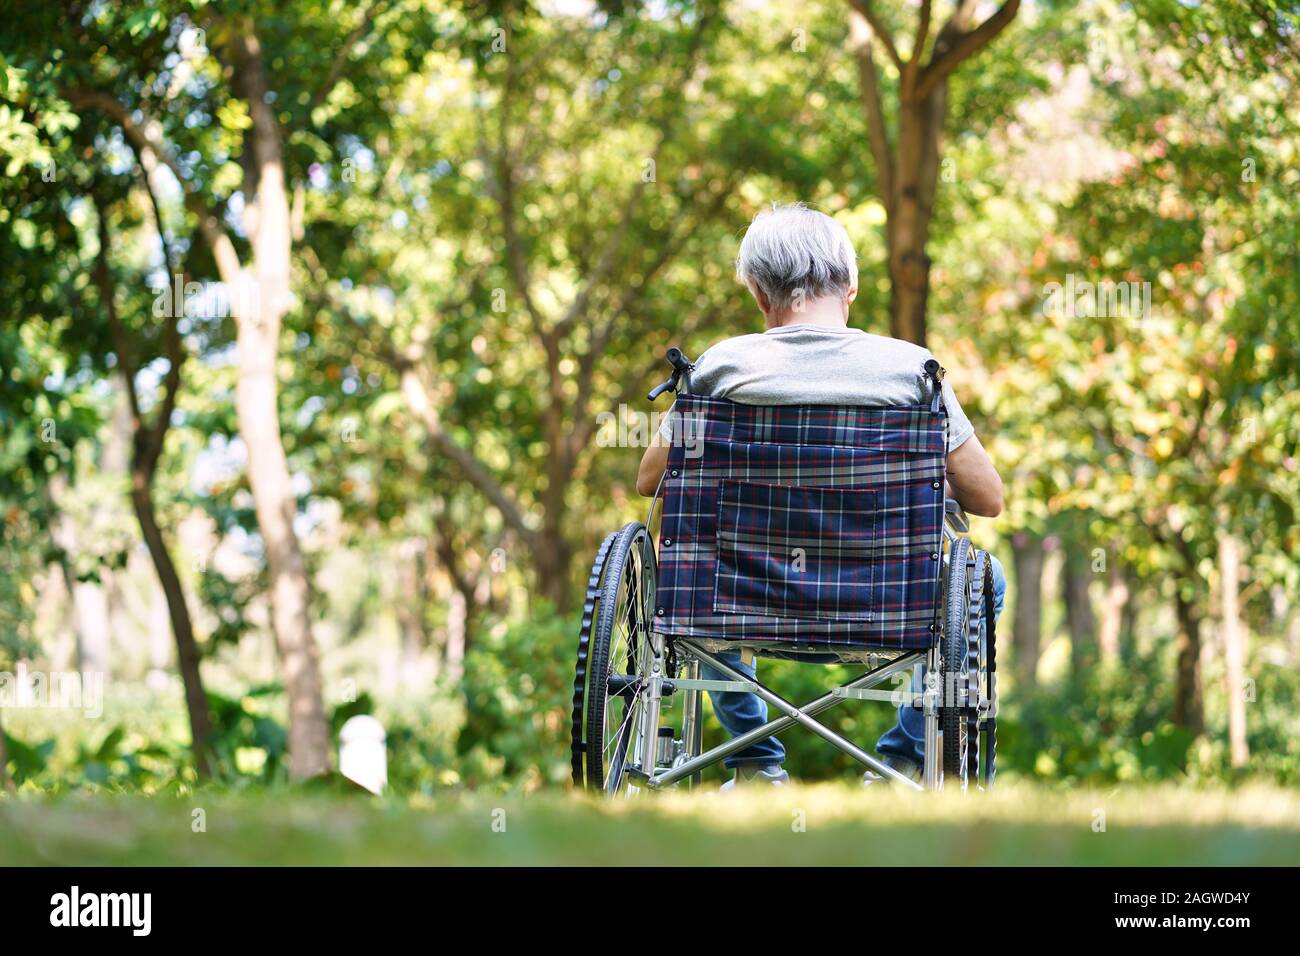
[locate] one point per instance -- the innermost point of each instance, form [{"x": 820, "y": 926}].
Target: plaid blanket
[{"x": 810, "y": 523}]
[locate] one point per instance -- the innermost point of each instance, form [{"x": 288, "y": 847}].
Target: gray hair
[{"x": 794, "y": 254}]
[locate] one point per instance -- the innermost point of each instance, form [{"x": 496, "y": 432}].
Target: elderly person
[{"x": 801, "y": 269}]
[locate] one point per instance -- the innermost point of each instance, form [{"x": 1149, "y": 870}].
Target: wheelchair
[{"x": 816, "y": 533}]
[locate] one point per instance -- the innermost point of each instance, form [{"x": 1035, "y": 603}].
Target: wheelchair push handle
[
  {"x": 935, "y": 373},
  {"x": 680, "y": 363}
]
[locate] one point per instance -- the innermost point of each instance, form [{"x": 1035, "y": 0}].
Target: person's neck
[{"x": 828, "y": 312}]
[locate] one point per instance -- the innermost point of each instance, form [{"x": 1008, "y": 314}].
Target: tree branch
[
  {"x": 444, "y": 547},
  {"x": 173, "y": 348},
  {"x": 502, "y": 187},
  {"x": 147, "y": 137},
  {"x": 584, "y": 425},
  {"x": 609, "y": 256},
  {"x": 121, "y": 344},
  {"x": 335, "y": 72},
  {"x": 882, "y": 150},
  {"x": 965, "y": 45},
  {"x": 878, "y": 28},
  {"x": 416, "y": 392},
  {"x": 141, "y": 137},
  {"x": 918, "y": 50}
]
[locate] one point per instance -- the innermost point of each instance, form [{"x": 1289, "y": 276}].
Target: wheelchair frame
[{"x": 647, "y": 759}]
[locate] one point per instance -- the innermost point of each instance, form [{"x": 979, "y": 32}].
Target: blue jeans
[
  {"x": 741, "y": 712},
  {"x": 906, "y": 738}
]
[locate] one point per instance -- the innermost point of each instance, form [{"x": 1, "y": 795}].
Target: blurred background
[{"x": 326, "y": 327}]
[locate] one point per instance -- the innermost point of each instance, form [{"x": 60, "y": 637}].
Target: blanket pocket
[{"x": 795, "y": 551}]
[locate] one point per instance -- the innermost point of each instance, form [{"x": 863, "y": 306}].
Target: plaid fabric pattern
[
  {"x": 795, "y": 552},
  {"x": 809, "y": 523}
]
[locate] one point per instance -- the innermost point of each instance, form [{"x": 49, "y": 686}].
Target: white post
[{"x": 363, "y": 758}]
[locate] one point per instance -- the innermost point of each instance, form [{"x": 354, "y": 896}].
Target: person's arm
[
  {"x": 653, "y": 463},
  {"x": 973, "y": 480}
]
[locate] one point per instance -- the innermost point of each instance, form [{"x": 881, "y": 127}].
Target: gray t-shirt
[{"x": 818, "y": 365}]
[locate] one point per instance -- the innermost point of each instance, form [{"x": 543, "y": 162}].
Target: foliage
[
  {"x": 492, "y": 246},
  {"x": 518, "y": 689}
]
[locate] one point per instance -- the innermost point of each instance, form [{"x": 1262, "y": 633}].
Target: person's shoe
[
  {"x": 910, "y": 769},
  {"x": 771, "y": 774}
]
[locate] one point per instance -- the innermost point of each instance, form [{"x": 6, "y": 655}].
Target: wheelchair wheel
[
  {"x": 980, "y": 675},
  {"x": 578, "y": 746},
  {"x": 616, "y": 662},
  {"x": 988, "y": 675},
  {"x": 953, "y": 719},
  {"x": 969, "y": 664}
]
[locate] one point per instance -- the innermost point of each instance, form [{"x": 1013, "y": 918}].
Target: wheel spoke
[{"x": 619, "y": 759}]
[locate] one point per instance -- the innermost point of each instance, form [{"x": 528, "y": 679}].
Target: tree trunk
[
  {"x": 94, "y": 647},
  {"x": 1110, "y": 637},
  {"x": 187, "y": 650},
  {"x": 482, "y": 600},
  {"x": 920, "y": 134},
  {"x": 410, "y": 612},
  {"x": 257, "y": 405},
  {"x": 410, "y": 609},
  {"x": 1028, "y": 620},
  {"x": 1188, "y": 710},
  {"x": 1076, "y": 576},
  {"x": 88, "y": 601},
  {"x": 907, "y": 176},
  {"x": 1234, "y": 649},
  {"x": 146, "y": 445},
  {"x": 554, "y": 557},
  {"x": 457, "y": 617},
  {"x": 115, "y": 459},
  {"x": 1128, "y": 639}
]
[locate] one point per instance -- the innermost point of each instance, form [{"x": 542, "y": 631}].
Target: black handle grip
[
  {"x": 661, "y": 388},
  {"x": 934, "y": 371},
  {"x": 681, "y": 364}
]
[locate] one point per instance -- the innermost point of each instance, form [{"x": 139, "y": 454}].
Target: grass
[{"x": 1013, "y": 825}]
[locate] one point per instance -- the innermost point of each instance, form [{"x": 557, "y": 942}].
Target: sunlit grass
[{"x": 816, "y": 825}]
